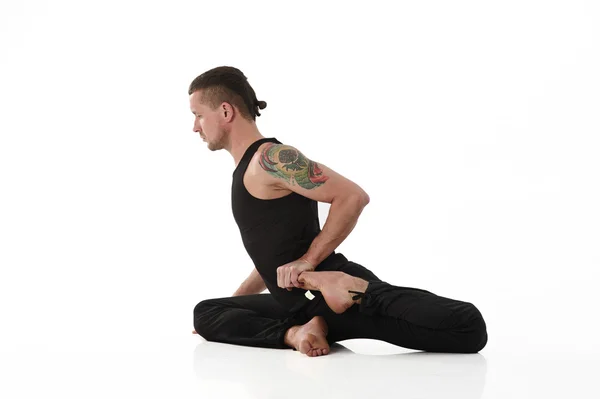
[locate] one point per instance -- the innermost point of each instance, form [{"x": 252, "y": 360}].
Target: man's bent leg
[
  {"x": 409, "y": 317},
  {"x": 250, "y": 320},
  {"x": 429, "y": 323}
]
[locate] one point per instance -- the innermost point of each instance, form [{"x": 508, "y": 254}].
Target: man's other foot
[{"x": 309, "y": 339}]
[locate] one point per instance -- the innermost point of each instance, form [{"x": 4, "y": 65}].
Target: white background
[{"x": 472, "y": 125}]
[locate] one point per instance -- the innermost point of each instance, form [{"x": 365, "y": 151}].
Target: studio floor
[{"x": 354, "y": 369}]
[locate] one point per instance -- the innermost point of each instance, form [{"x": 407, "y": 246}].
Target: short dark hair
[{"x": 228, "y": 84}]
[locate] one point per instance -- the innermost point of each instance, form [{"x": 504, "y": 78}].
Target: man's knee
[
  {"x": 202, "y": 312},
  {"x": 475, "y": 337}
]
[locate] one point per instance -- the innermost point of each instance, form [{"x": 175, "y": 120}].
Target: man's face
[{"x": 207, "y": 122}]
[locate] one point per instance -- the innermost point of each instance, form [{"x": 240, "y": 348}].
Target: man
[{"x": 317, "y": 296}]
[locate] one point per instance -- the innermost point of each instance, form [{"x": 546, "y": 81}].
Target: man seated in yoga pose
[{"x": 316, "y": 296}]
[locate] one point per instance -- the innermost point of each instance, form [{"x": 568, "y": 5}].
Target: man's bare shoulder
[
  {"x": 285, "y": 167},
  {"x": 257, "y": 182},
  {"x": 263, "y": 158}
]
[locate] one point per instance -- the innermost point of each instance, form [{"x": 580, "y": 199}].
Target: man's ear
[{"x": 227, "y": 110}]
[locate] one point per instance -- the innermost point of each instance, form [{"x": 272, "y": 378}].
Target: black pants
[{"x": 408, "y": 317}]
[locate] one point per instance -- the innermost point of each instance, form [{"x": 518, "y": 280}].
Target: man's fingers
[
  {"x": 287, "y": 277},
  {"x": 287, "y": 281},
  {"x": 279, "y": 282},
  {"x": 295, "y": 281}
]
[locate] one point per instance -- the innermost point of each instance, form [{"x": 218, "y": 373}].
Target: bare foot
[
  {"x": 309, "y": 339},
  {"x": 194, "y": 332},
  {"x": 334, "y": 286}
]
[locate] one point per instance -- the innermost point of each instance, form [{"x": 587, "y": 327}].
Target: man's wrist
[{"x": 311, "y": 263}]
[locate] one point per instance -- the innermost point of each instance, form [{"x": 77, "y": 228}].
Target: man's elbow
[
  {"x": 362, "y": 198},
  {"x": 365, "y": 198},
  {"x": 356, "y": 196}
]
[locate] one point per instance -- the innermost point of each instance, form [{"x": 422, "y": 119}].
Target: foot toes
[{"x": 313, "y": 352}]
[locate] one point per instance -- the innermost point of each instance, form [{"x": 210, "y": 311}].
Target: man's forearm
[
  {"x": 254, "y": 284},
  {"x": 343, "y": 215}
]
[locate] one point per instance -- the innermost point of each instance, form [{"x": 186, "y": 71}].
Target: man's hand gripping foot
[{"x": 335, "y": 287}]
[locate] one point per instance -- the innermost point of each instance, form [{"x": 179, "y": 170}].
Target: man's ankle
[{"x": 289, "y": 337}]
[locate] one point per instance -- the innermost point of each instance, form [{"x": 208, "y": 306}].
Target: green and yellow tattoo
[{"x": 290, "y": 164}]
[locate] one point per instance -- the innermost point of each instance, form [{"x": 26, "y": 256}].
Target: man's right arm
[{"x": 254, "y": 284}]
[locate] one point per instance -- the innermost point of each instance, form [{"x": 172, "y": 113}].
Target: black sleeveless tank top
[{"x": 276, "y": 231}]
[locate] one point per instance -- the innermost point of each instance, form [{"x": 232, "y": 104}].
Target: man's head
[{"x": 221, "y": 99}]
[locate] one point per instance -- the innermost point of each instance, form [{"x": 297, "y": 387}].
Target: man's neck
[{"x": 241, "y": 142}]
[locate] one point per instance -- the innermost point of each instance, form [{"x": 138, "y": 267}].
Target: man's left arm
[
  {"x": 341, "y": 220},
  {"x": 288, "y": 168}
]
